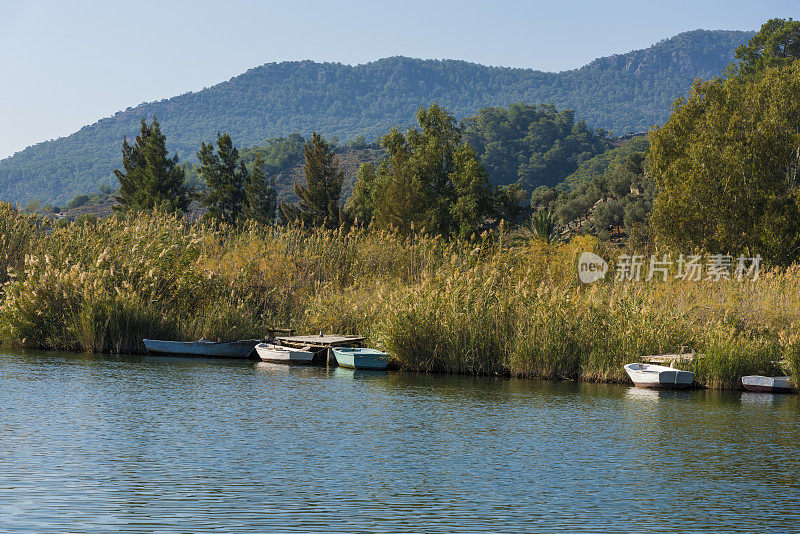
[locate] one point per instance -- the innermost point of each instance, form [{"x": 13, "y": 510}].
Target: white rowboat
[
  {"x": 768, "y": 384},
  {"x": 657, "y": 376},
  {"x": 212, "y": 349},
  {"x": 277, "y": 353}
]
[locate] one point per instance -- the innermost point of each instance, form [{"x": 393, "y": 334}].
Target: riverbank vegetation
[
  {"x": 499, "y": 304},
  {"x": 421, "y": 258}
]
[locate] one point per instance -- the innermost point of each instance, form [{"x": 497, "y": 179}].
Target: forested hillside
[{"x": 622, "y": 93}]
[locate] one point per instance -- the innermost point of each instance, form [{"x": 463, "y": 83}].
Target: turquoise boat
[{"x": 359, "y": 358}]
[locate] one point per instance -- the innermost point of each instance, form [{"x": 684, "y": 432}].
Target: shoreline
[
  {"x": 393, "y": 367},
  {"x": 494, "y": 305}
]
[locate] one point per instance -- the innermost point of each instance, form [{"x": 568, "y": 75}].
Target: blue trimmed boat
[{"x": 360, "y": 358}]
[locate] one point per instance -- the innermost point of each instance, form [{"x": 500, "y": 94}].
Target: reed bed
[{"x": 485, "y": 306}]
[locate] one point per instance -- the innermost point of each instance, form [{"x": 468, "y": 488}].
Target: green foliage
[
  {"x": 544, "y": 226},
  {"x": 151, "y": 179},
  {"x": 33, "y": 206},
  {"x": 261, "y": 198},
  {"x": 509, "y": 202},
  {"x": 86, "y": 219},
  {"x": 77, "y": 201},
  {"x": 531, "y": 145},
  {"x": 224, "y": 174},
  {"x": 777, "y": 44},
  {"x": 607, "y": 160},
  {"x": 278, "y": 154},
  {"x": 628, "y": 92},
  {"x": 430, "y": 180},
  {"x": 319, "y": 197},
  {"x": 360, "y": 207},
  {"x": 614, "y": 202},
  {"x": 726, "y": 168}
]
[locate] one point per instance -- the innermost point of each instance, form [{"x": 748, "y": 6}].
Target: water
[{"x": 129, "y": 444}]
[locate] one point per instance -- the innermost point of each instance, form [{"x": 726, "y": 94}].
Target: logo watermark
[
  {"x": 693, "y": 268},
  {"x": 591, "y": 267}
]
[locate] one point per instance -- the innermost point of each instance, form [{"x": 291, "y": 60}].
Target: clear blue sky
[{"x": 67, "y": 64}]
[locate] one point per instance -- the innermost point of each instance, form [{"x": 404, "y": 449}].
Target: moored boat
[
  {"x": 270, "y": 352},
  {"x": 768, "y": 384},
  {"x": 211, "y": 349},
  {"x": 657, "y": 376},
  {"x": 360, "y": 358}
]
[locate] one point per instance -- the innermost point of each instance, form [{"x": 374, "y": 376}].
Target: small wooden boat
[
  {"x": 360, "y": 358},
  {"x": 657, "y": 376},
  {"x": 210, "y": 349},
  {"x": 768, "y": 384},
  {"x": 269, "y": 352}
]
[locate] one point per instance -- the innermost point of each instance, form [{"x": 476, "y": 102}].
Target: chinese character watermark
[{"x": 690, "y": 268}]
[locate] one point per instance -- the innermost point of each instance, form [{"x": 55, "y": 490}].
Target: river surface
[{"x": 144, "y": 444}]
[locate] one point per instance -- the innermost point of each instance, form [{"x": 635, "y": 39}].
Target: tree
[
  {"x": 431, "y": 179},
  {"x": 608, "y": 215},
  {"x": 261, "y": 197},
  {"x": 725, "y": 164},
  {"x": 777, "y": 44},
  {"x": 398, "y": 196},
  {"x": 543, "y": 196},
  {"x": 150, "y": 179},
  {"x": 224, "y": 173},
  {"x": 360, "y": 207},
  {"x": 319, "y": 198},
  {"x": 531, "y": 145},
  {"x": 509, "y": 202},
  {"x": 472, "y": 194}
]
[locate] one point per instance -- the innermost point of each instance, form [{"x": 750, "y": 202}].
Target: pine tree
[
  {"x": 224, "y": 173},
  {"x": 151, "y": 179},
  {"x": 319, "y": 198},
  {"x": 261, "y": 197}
]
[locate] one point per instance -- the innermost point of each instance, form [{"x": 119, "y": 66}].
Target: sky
[{"x": 64, "y": 65}]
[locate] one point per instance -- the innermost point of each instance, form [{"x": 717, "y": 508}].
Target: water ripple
[{"x": 114, "y": 444}]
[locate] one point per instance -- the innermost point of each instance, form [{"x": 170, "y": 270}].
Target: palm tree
[{"x": 543, "y": 226}]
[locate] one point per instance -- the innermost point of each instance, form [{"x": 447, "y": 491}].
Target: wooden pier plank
[
  {"x": 668, "y": 358},
  {"x": 317, "y": 341}
]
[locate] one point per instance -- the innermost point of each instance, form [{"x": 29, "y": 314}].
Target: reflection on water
[{"x": 132, "y": 444}]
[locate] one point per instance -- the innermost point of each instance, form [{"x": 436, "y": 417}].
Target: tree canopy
[
  {"x": 150, "y": 179},
  {"x": 725, "y": 164},
  {"x": 531, "y": 145},
  {"x": 260, "y": 195},
  {"x": 233, "y": 193},
  {"x": 777, "y": 44},
  {"x": 224, "y": 173},
  {"x": 319, "y": 198},
  {"x": 431, "y": 179}
]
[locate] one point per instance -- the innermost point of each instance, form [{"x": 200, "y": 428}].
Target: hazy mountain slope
[{"x": 621, "y": 93}]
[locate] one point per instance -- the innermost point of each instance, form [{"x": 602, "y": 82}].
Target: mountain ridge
[{"x": 620, "y": 93}]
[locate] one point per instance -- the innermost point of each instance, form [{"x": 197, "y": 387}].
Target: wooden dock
[
  {"x": 323, "y": 343},
  {"x": 668, "y": 359}
]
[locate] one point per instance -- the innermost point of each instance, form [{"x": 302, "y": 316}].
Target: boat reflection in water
[
  {"x": 655, "y": 395},
  {"x": 358, "y": 374}
]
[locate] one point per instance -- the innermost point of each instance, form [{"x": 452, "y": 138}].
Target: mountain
[{"x": 620, "y": 93}]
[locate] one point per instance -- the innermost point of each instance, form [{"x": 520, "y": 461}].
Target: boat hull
[
  {"x": 658, "y": 376},
  {"x": 361, "y": 358},
  {"x": 205, "y": 349},
  {"x": 768, "y": 384},
  {"x": 279, "y": 354}
]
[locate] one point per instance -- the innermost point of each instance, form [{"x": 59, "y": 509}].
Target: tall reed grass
[{"x": 488, "y": 306}]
